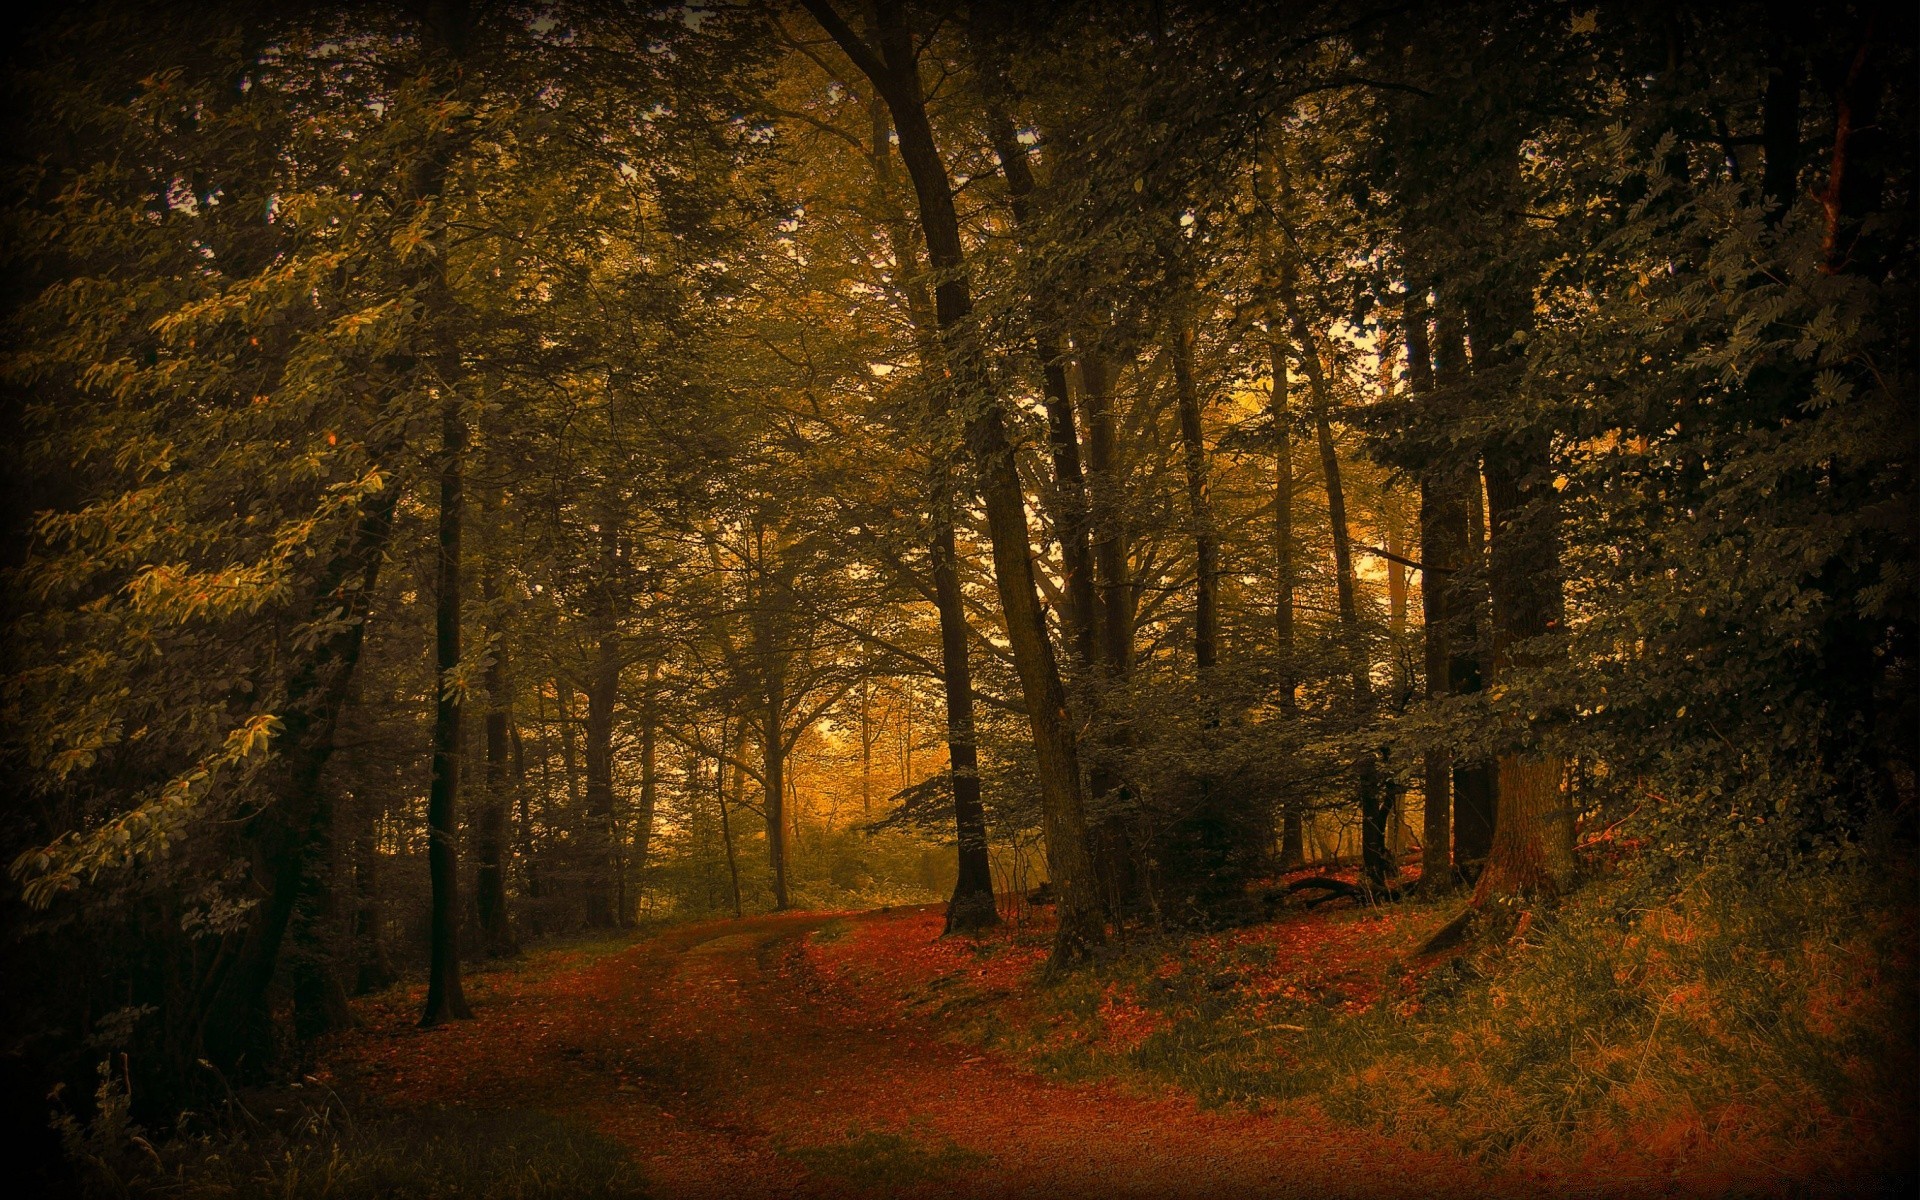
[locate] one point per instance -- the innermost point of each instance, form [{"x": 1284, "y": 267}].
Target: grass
[
  {"x": 315, "y": 1149},
  {"x": 836, "y": 930},
  {"x": 886, "y": 1161},
  {"x": 1771, "y": 1023}
]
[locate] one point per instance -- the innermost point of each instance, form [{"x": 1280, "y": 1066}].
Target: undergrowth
[
  {"x": 308, "y": 1145},
  {"x": 886, "y": 1160},
  {"x": 1770, "y": 1023}
]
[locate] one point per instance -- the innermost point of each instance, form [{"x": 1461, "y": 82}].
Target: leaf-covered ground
[
  {"x": 1685, "y": 1049},
  {"x": 816, "y": 1055}
]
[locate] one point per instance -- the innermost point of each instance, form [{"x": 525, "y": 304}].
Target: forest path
[{"x": 729, "y": 1067}]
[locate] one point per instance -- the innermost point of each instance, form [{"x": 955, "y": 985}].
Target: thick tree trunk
[
  {"x": 894, "y": 71},
  {"x": 445, "y": 1000},
  {"x": 319, "y": 997},
  {"x": 1117, "y": 874},
  {"x": 1476, "y": 793},
  {"x": 598, "y": 838},
  {"x": 1533, "y": 839}
]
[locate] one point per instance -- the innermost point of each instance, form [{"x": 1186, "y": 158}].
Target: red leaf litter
[{"x": 725, "y": 1055}]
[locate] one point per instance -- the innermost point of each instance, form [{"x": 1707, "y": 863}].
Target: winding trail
[{"x": 729, "y": 1067}]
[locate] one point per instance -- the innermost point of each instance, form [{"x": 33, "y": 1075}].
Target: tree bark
[
  {"x": 375, "y": 968},
  {"x": 726, "y": 824},
  {"x": 1462, "y": 531},
  {"x": 1206, "y": 547},
  {"x": 894, "y": 71},
  {"x": 445, "y": 999},
  {"x": 1373, "y": 797},
  {"x": 649, "y": 781},
  {"x": 1533, "y": 839},
  {"x": 1068, "y": 495},
  {"x": 490, "y": 823},
  {"x": 774, "y": 782},
  {"x": 603, "y": 694},
  {"x": 235, "y": 1021},
  {"x": 1277, "y": 285},
  {"x": 972, "y": 904},
  {"x": 1436, "y": 504}
]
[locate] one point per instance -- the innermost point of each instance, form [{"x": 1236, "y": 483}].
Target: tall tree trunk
[
  {"x": 319, "y": 997},
  {"x": 1096, "y": 636},
  {"x": 1207, "y": 855},
  {"x": 1206, "y": 548},
  {"x": 490, "y": 823},
  {"x": 444, "y": 30},
  {"x": 1112, "y": 586},
  {"x": 445, "y": 1000},
  {"x": 1533, "y": 838},
  {"x": 236, "y": 1023},
  {"x": 894, "y": 71},
  {"x": 603, "y": 694},
  {"x": 375, "y": 968},
  {"x": 1374, "y": 798},
  {"x": 1462, "y": 530},
  {"x": 649, "y": 781},
  {"x": 1068, "y": 495},
  {"x": 739, "y": 798},
  {"x": 1442, "y": 515},
  {"x": 1276, "y": 286},
  {"x": 773, "y": 777},
  {"x": 971, "y": 905},
  {"x": 1119, "y": 880}
]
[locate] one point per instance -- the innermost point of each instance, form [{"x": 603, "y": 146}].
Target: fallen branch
[{"x": 1336, "y": 888}]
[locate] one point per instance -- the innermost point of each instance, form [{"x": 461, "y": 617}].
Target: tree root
[
  {"x": 1452, "y": 934},
  {"x": 1338, "y": 888}
]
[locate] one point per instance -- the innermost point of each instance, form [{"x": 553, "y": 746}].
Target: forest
[{"x": 940, "y": 598}]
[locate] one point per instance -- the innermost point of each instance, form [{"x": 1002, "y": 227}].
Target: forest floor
[
  {"x": 729, "y": 1065},
  {"x": 815, "y": 1055}
]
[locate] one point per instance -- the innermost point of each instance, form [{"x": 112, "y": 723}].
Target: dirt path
[{"x": 731, "y": 1069}]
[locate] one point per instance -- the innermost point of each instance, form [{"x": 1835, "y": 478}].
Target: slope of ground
[
  {"x": 814, "y": 1055},
  {"x": 729, "y": 1066}
]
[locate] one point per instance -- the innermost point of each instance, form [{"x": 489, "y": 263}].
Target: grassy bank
[{"x": 1723, "y": 1035}]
